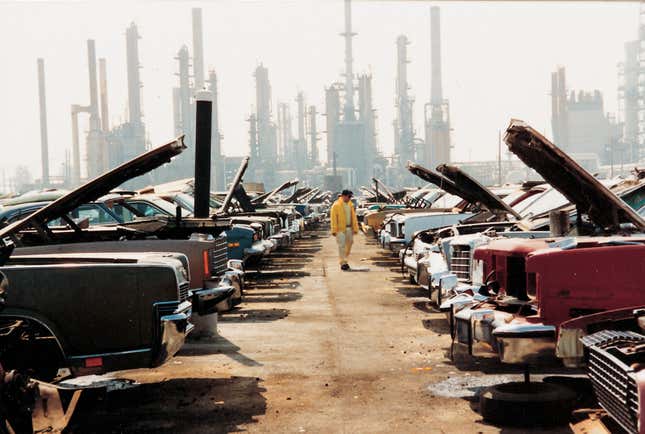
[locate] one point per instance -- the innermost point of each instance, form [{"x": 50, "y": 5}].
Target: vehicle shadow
[
  {"x": 267, "y": 285},
  {"x": 180, "y": 405},
  {"x": 460, "y": 358},
  {"x": 437, "y": 325},
  {"x": 272, "y": 297},
  {"x": 270, "y": 274},
  {"x": 273, "y": 266},
  {"x": 299, "y": 249},
  {"x": 412, "y": 291},
  {"x": 289, "y": 255},
  {"x": 253, "y": 315},
  {"x": 217, "y": 345},
  {"x": 426, "y": 306}
]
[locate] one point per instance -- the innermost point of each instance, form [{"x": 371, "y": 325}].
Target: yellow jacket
[{"x": 337, "y": 216}]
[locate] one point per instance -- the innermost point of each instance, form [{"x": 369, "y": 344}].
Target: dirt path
[{"x": 312, "y": 349}]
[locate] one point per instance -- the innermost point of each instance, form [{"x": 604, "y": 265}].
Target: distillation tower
[
  {"x": 404, "y": 146},
  {"x": 351, "y": 139},
  {"x": 127, "y": 140},
  {"x": 263, "y": 131},
  {"x": 184, "y": 108}
]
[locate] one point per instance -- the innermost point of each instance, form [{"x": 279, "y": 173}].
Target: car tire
[{"x": 526, "y": 404}]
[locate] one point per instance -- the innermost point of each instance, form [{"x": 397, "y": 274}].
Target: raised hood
[
  {"x": 463, "y": 190},
  {"x": 99, "y": 186},
  {"x": 298, "y": 194},
  {"x": 484, "y": 196},
  {"x": 236, "y": 190},
  {"x": 264, "y": 198},
  {"x": 589, "y": 196}
]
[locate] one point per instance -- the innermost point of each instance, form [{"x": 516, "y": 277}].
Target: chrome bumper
[
  {"x": 257, "y": 249},
  {"x": 487, "y": 332},
  {"x": 174, "y": 327},
  {"x": 205, "y": 300},
  {"x": 395, "y": 244},
  {"x": 525, "y": 343}
]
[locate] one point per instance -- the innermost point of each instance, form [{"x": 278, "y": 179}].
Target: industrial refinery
[
  {"x": 326, "y": 216},
  {"x": 285, "y": 139},
  {"x": 340, "y": 140}
]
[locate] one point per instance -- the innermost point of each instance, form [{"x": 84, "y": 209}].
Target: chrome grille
[
  {"x": 183, "y": 291},
  {"x": 218, "y": 256},
  {"x": 460, "y": 262},
  {"x": 612, "y": 375}
]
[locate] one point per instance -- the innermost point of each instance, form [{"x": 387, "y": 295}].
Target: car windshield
[
  {"x": 541, "y": 203},
  {"x": 447, "y": 201},
  {"x": 93, "y": 214}
]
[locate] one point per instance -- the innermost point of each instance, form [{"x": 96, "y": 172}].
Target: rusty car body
[{"x": 532, "y": 286}]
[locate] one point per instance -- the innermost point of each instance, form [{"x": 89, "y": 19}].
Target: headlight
[{"x": 235, "y": 264}]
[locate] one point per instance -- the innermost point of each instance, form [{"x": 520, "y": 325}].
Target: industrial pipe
[{"x": 203, "y": 126}]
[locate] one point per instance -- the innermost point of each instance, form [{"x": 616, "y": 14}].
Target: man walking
[{"x": 344, "y": 226}]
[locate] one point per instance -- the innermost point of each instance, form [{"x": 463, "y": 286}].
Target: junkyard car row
[
  {"x": 535, "y": 273},
  {"x": 540, "y": 273},
  {"x": 164, "y": 274}
]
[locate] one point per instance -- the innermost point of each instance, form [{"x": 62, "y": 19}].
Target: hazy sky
[{"x": 497, "y": 59}]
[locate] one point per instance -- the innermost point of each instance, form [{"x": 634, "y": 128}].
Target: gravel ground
[{"x": 312, "y": 349}]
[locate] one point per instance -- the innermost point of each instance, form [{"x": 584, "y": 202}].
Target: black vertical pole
[{"x": 203, "y": 125}]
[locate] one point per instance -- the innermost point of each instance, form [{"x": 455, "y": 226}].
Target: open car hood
[
  {"x": 300, "y": 193},
  {"x": 99, "y": 186},
  {"x": 484, "y": 196},
  {"x": 265, "y": 197},
  {"x": 452, "y": 187},
  {"x": 589, "y": 196},
  {"x": 236, "y": 190},
  {"x": 383, "y": 190}
]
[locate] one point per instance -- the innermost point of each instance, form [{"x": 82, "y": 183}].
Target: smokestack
[
  {"x": 349, "y": 114},
  {"x": 198, "y": 49},
  {"x": 44, "y": 145},
  {"x": 76, "y": 152},
  {"x": 302, "y": 160},
  {"x": 216, "y": 137},
  {"x": 217, "y": 166},
  {"x": 313, "y": 136},
  {"x": 184, "y": 91},
  {"x": 436, "y": 92},
  {"x": 404, "y": 146},
  {"x": 134, "y": 82},
  {"x": 203, "y": 125},
  {"x": 94, "y": 99},
  {"x": 300, "y": 99},
  {"x": 95, "y": 138},
  {"x": 105, "y": 122}
]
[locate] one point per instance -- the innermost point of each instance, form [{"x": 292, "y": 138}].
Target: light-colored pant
[{"x": 344, "y": 240}]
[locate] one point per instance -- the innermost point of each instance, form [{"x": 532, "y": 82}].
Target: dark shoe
[{"x": 344, "y": 267}]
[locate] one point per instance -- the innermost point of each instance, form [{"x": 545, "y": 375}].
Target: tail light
[
  {"x": 94, "y": 362},
  {"x": 207, "y": 268}
]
